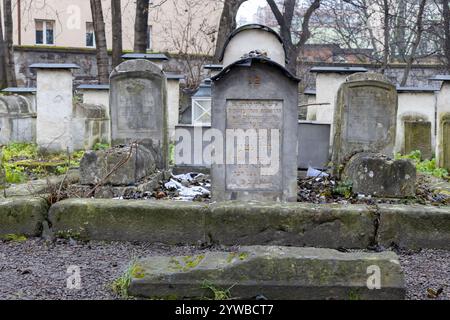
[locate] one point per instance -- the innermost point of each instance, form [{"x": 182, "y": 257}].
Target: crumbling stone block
[
  {"x": 138, "y": 162},
  {"x": 377, "y": 175}
]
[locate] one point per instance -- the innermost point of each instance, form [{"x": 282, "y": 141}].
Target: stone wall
[
  {"x": 419, "y": 76},
  {"x": 85, "y": 58}
]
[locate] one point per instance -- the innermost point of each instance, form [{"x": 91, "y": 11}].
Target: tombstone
[
  {"x": 313, "y": 145},
  {"x": 418, "y": 137},
  {"x": 445, "y": 129},
  {"x": 253, "y": 37},
  {"x": 416, "y": 104},
  {"x": 173, "y": 102},
  {"x": 443, "y": 122},
  {"x": 17, "y": 120},
  {"x": 254, "y": 114},
  {"x": 365, "y": 118},
  {"x": 138, "y": 105},
  {"x": 97, "y": 94},
  {"x": 328, "y": 81},
  {"x": 157, "y": 58},
  {"x": 54, "y": 104},
  {"x": 29, "y": 93}
]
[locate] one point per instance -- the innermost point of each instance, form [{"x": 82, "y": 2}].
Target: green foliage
[
  {"x": 14, "y": 238},
  {"x": 23, "y": 161},
  {"x": 426, "y": 166},
  {"x": 344, "y": 188},
  {"x": 101, "y": 146},
  {"x": 121, "y": 284},
  {"x": 219, "y": 294},
  {"x": 19, "y": 151},
  {"x": 172, "y": 154}
]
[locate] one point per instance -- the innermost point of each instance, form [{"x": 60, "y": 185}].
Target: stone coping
[{"x": 231, "y": 223}]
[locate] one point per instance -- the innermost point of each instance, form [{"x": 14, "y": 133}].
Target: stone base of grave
[
  {"x": 376, "y": 175},
  {"x": 272, "y": 273},
  {"x": 137, "y": 162},
  {"x": 146, "y": 185}
]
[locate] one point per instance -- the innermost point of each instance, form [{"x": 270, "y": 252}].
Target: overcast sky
[{"x": 248, "y": 9}]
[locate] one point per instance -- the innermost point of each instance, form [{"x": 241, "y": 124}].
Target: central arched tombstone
[
  {"x": 254, "y": 129},
  {"x": 138, "y": 105}
]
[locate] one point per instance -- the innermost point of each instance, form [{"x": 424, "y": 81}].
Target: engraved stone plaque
[
  {"x": 418, "y": 137},
  {"x": 137, "y": 101},
  {"x": 255, "y": 124},
  {"x": 366, "y": 118}
]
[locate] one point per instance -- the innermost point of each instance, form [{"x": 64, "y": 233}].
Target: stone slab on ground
[
  {"x": 272, "y": 272},
  {"x": 376, "y": 175},
  {"x": 22, "y": 216},
  {"x": 414, "y": 227},
  {"x": 300, "y": 224},
  {"x": 167, "y": 222},
  {"x": 40, "y": 186}
]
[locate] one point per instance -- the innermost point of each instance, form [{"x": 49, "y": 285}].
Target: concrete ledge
[
  {"x": 414, "y": 227},
  {"x": 22, "y": 216},
  {"x": 153, "y": 221},
  {"x": 273, "y": 272},
  {"x": 327, "y": 226}
]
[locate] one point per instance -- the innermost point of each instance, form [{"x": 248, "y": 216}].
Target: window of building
[
  {"x": 90, "y": 35},
  {"x": 44, "y": 32},
  {"x": 149, "y": 37},
  {"x": 201, "y": 111}
]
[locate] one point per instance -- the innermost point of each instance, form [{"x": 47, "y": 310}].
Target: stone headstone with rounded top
[
  {"x": 365, "y": 118},
  {"x": 138, "y": 104}
]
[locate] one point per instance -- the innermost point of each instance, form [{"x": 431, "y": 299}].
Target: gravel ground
[{"x": 35, "y": 269}]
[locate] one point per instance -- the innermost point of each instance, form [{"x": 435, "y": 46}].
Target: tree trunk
[
  {"x": 286, "y": 22},
  {"x": 386, "y": 49},
  {"x": 3, "y": 82},
  {"x": 446, "y": 18},
  {"x": 416, "y": 42},
  {"x": 9, "y": 54},
  {"x": 141, "y": 26},
  {"x": 116, "y": 20},
  {"x": 100, "y": 41},
  {"x": 227, "y": 24}
]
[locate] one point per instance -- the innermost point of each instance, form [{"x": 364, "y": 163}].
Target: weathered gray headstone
[
  {"x": 255, "y": 112},
  {"x": 138, "y": 107},
  {"x": 365, "y": 117},
  {"x": 418, "y": 137}
]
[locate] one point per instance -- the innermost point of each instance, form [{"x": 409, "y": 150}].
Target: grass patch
[
  {"x": 218, "y": 293},
  {"x": 426, "y": 166},
  {"x": 23, "y": 161},
  {"x": 14, "y": 238},
  {"x": 121, "y": 284},
  {"x": 344, "y": 188},
  {"x": 101, "y": 146}
]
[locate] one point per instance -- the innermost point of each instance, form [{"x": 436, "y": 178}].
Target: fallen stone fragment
[
  {"x": 273, "y": 272},
  {"x": 376, "y": 175},
  {"x": 96, "y": 165}
]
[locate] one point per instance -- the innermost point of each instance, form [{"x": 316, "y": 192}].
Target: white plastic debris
[
  {"x": 186, "y": 193},
  {"x": 314, "y": 173}
]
